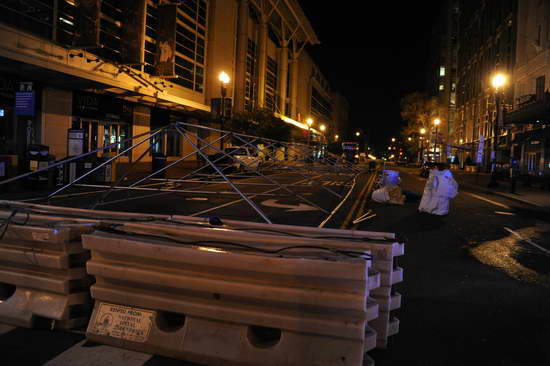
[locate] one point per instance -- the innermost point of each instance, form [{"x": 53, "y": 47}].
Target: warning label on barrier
[{"x": 122, "y": 322}]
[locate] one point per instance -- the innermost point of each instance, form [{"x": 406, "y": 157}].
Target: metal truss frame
[{"x": 303, "y": 163}]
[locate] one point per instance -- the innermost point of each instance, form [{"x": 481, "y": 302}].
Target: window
[
  {"x": 104, "y": 133},
  {"x": 190, "y": 42},
  {"x": 271, "y": 84},
  {"x": 441, "y": 87},
  {"x": 250, "y": 85},
  {"x": 442, "y": 71}
]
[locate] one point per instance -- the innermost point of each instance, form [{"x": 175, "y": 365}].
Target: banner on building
[
  {"x": 480, "y": 146},
  {"x": 165, "y": 62},
  {"x": 132, "y": 35},
  {"x": 86, "y": 33}
]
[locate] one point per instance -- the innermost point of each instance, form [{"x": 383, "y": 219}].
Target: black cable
[
  {"x": 6, "y": 222},
  {"x": 349, "y": 253}
]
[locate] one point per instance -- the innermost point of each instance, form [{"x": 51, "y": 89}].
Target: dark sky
[{"x": 373, "y": 55}]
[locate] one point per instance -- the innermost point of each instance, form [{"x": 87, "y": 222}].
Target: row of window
[{"x": 56, "y": 20}]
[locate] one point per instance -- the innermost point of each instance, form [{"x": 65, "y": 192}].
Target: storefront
[{"x": 104, "y": 120}]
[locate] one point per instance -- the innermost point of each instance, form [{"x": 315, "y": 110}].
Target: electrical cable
[{"x": 349, "y": 253}]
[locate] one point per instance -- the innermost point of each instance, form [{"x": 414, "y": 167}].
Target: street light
[
  {"x": 357, "y": 133},
  {"x": 309, "y": 122},
  {"x": 393, "y": 139},
  {"x": 498, "y": 82},
  {"x": 224, "y": 79},
  {"x": 323, "y": 128},
  {"x": 437, "y": 122},
  {"x": 336, "y": 137},
  {"x": 421, "y": 146}
]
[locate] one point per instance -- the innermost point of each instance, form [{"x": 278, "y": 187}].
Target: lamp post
[
  {"x": 498, "y": 82},
  {"x": 322, "y": 147},
  {"x": 437, "y": 121},
  {"x": 224, "y": 80},
  {"x": 421, "y": 146},
  {"x": 309, "y": 122}
]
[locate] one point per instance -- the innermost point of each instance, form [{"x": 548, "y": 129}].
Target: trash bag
[
  {"x": 390, "y": 177},
  {"x": 381, "y": 195},
  {"x": 440, "y": 188},
  {"x": 389, "y": 194}
]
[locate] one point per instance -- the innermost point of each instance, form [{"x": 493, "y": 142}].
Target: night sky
[{"x": 373, "y": 55}]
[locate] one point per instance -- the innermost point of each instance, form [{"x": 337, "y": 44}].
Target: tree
[
  {"x": 261, "y": 123},
  {"x": 418, "y": 110}
]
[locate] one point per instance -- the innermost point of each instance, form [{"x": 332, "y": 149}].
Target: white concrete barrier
[{"x": 216, "y": 305}]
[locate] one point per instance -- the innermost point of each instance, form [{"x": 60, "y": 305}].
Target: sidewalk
[{"x": 529, "y": 195}]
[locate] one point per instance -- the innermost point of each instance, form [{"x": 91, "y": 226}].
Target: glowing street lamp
[
  {"x": 437, "y": 122},
  {"x": 224, "y": 80},
  {"x": 309, "y": 122},
  {"x": 393, "y": 139},
  {"x": 498, "y": 82},
  {"x": 336, "y": 137}
]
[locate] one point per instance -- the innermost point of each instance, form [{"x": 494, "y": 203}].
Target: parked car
[{"x": 239, "y": 159}]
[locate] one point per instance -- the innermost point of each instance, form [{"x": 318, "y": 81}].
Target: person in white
[{"x": 439, "y": 190}]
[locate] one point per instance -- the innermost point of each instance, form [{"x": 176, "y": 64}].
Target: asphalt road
[
  {"x": 298, "y": 198},
  {"x": 473, "y": 292}
]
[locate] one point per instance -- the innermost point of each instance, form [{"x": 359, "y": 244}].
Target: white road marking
[
  {"x": 528, "y": 241},
  {"x": 291, "y": 208},
  {"x": 505, "y": 213},
  {"x": 240, "y": 200},
  {"x": 98, "y": 355},
  {"x": 488, "y": 200}
]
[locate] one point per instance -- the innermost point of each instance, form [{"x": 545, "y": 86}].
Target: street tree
[{"x": 418, "y": 111}]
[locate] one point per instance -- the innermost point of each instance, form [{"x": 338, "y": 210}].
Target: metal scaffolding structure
[{"x": 223, "y": 173}]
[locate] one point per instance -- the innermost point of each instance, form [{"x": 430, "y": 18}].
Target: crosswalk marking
[{"x": 86, "y": 354}]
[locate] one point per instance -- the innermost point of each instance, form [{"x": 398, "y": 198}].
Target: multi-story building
[
  {"x": 442, "y": 76},
  {"x": 530, "y": 116},
  {"x": 486, "y": 46},
  {"x": 120, "y": 68}
]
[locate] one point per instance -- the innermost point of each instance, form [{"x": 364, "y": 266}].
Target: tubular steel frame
[{"x": 311, "y": 169}]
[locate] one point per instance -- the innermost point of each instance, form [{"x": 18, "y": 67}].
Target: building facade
[
  {"x": 486, "y": 46},
  {"x": 443, "y": 76},
  {"x": 529, "y": 116},
  {"x": 120, "y": 68}
]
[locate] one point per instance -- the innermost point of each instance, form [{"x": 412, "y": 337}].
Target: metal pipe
[
  {"x": 248, "y": 200},
  {"x": 105, "y": 163}
]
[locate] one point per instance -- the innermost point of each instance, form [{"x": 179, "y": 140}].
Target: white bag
[
  {"x": 440, "y": 188},
  {"x": 390, "y": 177},
  {"x": 381, "y": 195}
]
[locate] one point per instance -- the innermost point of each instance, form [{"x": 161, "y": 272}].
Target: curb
[{"x": 506, "y": 195}]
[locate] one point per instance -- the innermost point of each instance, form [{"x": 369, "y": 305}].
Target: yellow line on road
[{"x": 356, "y": 204}]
